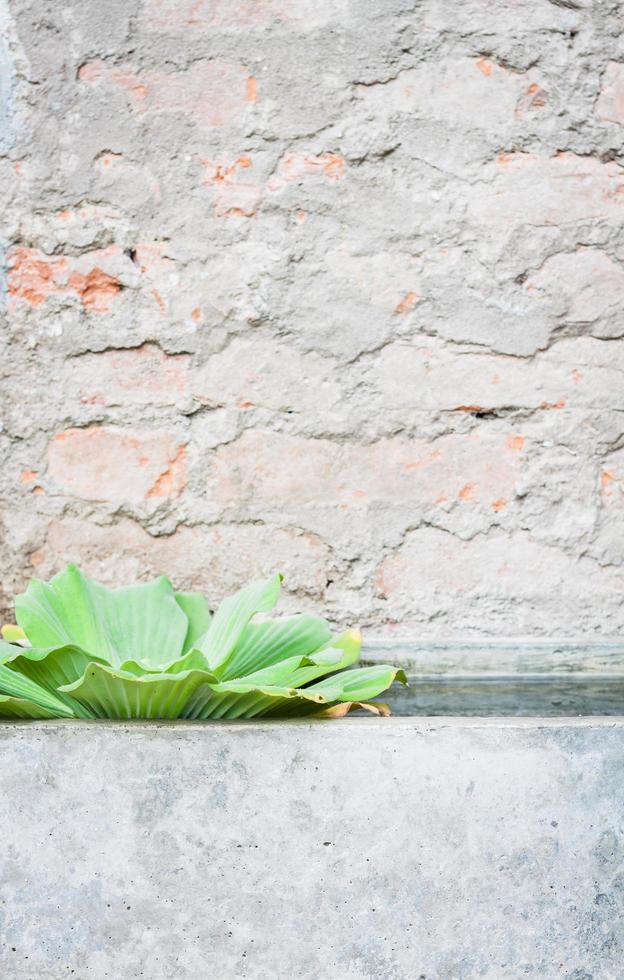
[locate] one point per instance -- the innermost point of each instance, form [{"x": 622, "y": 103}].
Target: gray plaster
[
  {"x": 6, "y": 78},
  {"x": 363, "y": 849},
  {"x": 332, "y": 287}
]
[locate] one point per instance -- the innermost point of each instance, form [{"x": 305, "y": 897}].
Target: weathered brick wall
[{"x": 328, "y": 286}]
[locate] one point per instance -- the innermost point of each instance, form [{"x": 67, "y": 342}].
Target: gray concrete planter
[{"x": 408, "y": 847}]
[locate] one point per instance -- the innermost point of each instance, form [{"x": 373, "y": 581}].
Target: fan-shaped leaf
[
  {"x": 264, "y": 644},
  {"x": 52, "y": 668},
  {"x": 232, "y": 617},
  {"x": 360, "y": 684},
  {"x": 141, "y": 622},
  {"x": 149, "y": 652},
  {"x": 16, "y": 686},
  {"x": 190, "y": 661},
  {"x": 112, "y": 693},
  {"x": 8, "y": 651},
  {"x": 237, "y": 699},
  {"x": 296, "y": 671},
  {"x": 22, "y": 708},
  {"x": 278, "y": 687},
  {"x": 196, "y": 610}
]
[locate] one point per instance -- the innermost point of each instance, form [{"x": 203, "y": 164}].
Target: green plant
[{"x": 147, "y": 651}]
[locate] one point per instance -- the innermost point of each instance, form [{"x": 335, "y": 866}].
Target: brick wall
[{"x": 329, "y": 287}]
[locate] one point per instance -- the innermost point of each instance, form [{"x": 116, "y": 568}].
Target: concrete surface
[
  {"x": 359, "y": 849},
  {"x": 333, "y": 287}
]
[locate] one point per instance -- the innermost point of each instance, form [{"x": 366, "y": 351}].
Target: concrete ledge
[{"x": 362, "y": 848}]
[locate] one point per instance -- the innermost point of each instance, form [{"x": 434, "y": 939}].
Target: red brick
[
  {"x": 35, "y": 276},
  {"x": 235, "y": 195},
  {"x": 304, "y": 166},
  {"x": 591, "y": 282},
  {"x": 610, "y": 105},
  {"x": 238, "y": 15},
  {"x": 140, "y": 376},
  {"x": 216, "y": 560},
  {"x": 266, "y": 470},
  {"x": 268, "y": 375},
  {"x": 438, "y": 578},
  {"x": 535, "y": 190},
  {"x": 212, "y": 93},
  {"x": 96, "y": 288},
  {"x": 116, "y": 465},
  {"x": 581, "y": 372},
  {"x": 460, "y": 93}
]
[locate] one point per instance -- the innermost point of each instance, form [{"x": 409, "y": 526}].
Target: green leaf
[
  {"x": 360, "y": 684},
  {"x": 238, "y": 699},
  {"x": 149, "y": 652},
  {"x": 17, "y": 686},
  {"x": 268, "y": 690},
  {"x": 8, "y": 651},
  {"x": 195, "y": 608},
  {"x": 341, "y": 693},
  {"x": 229, "y": 700},
  {"x": 191, "y": 660},
  {"x": 22, "y": 708},
  {"x": 52, "y": 668},
  {"x": 296, "y": 671},
  {"x": 113, "y": 693},
  {"x": 348, "y": 643},
  {"x": 264, "y": 644},
  {"x": 141, "y": 622},
  {"x": 232, "y": 617}
]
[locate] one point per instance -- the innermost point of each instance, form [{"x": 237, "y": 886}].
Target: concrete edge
[{"x": 393, "y": 725}]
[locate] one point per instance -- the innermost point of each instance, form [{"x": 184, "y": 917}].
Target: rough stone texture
[
  {"x": 334, "y": 287},
  {"x": 393, "y": 849}
]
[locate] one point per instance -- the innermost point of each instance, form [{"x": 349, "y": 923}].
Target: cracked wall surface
[{"x": 329, "y": 287}]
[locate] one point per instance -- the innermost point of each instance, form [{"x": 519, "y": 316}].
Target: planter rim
[{"x": 393, "y": 725}]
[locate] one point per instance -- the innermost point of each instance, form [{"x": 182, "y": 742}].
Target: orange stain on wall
[
  {"x": 515, "y": 442},
  {"x": 467, "y": 491}
]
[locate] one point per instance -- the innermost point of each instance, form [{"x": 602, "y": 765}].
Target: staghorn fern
[{"x": 81, "y": 650}]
